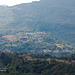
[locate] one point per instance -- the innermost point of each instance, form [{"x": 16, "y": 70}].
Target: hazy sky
[{"x": 14, "y": 2}]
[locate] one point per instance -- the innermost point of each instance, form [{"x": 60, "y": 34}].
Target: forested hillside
[
  {"x": 23, "y": 63},
  {"x": 55, "y": 16},
  {"x": 36, "y": 43},
  {"x": 38, "y": 38}
]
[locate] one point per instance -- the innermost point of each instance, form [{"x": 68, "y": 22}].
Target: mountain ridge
[{"x": 53, "y": 16}]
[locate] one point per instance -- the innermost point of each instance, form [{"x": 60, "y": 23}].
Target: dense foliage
[
  {"x": 22, "y": 64},
  {"x": 37, "y": 43}
]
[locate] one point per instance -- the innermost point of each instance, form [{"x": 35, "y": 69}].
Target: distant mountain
[
  {"x": 55, "y": 16},
  {"x": 4, "y": 5}
]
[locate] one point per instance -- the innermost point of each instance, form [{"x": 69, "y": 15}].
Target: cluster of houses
[{"x": 66, "y": 61}]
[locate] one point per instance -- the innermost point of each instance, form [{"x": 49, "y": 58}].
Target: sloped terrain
[{"x": 55, "y": 16}]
